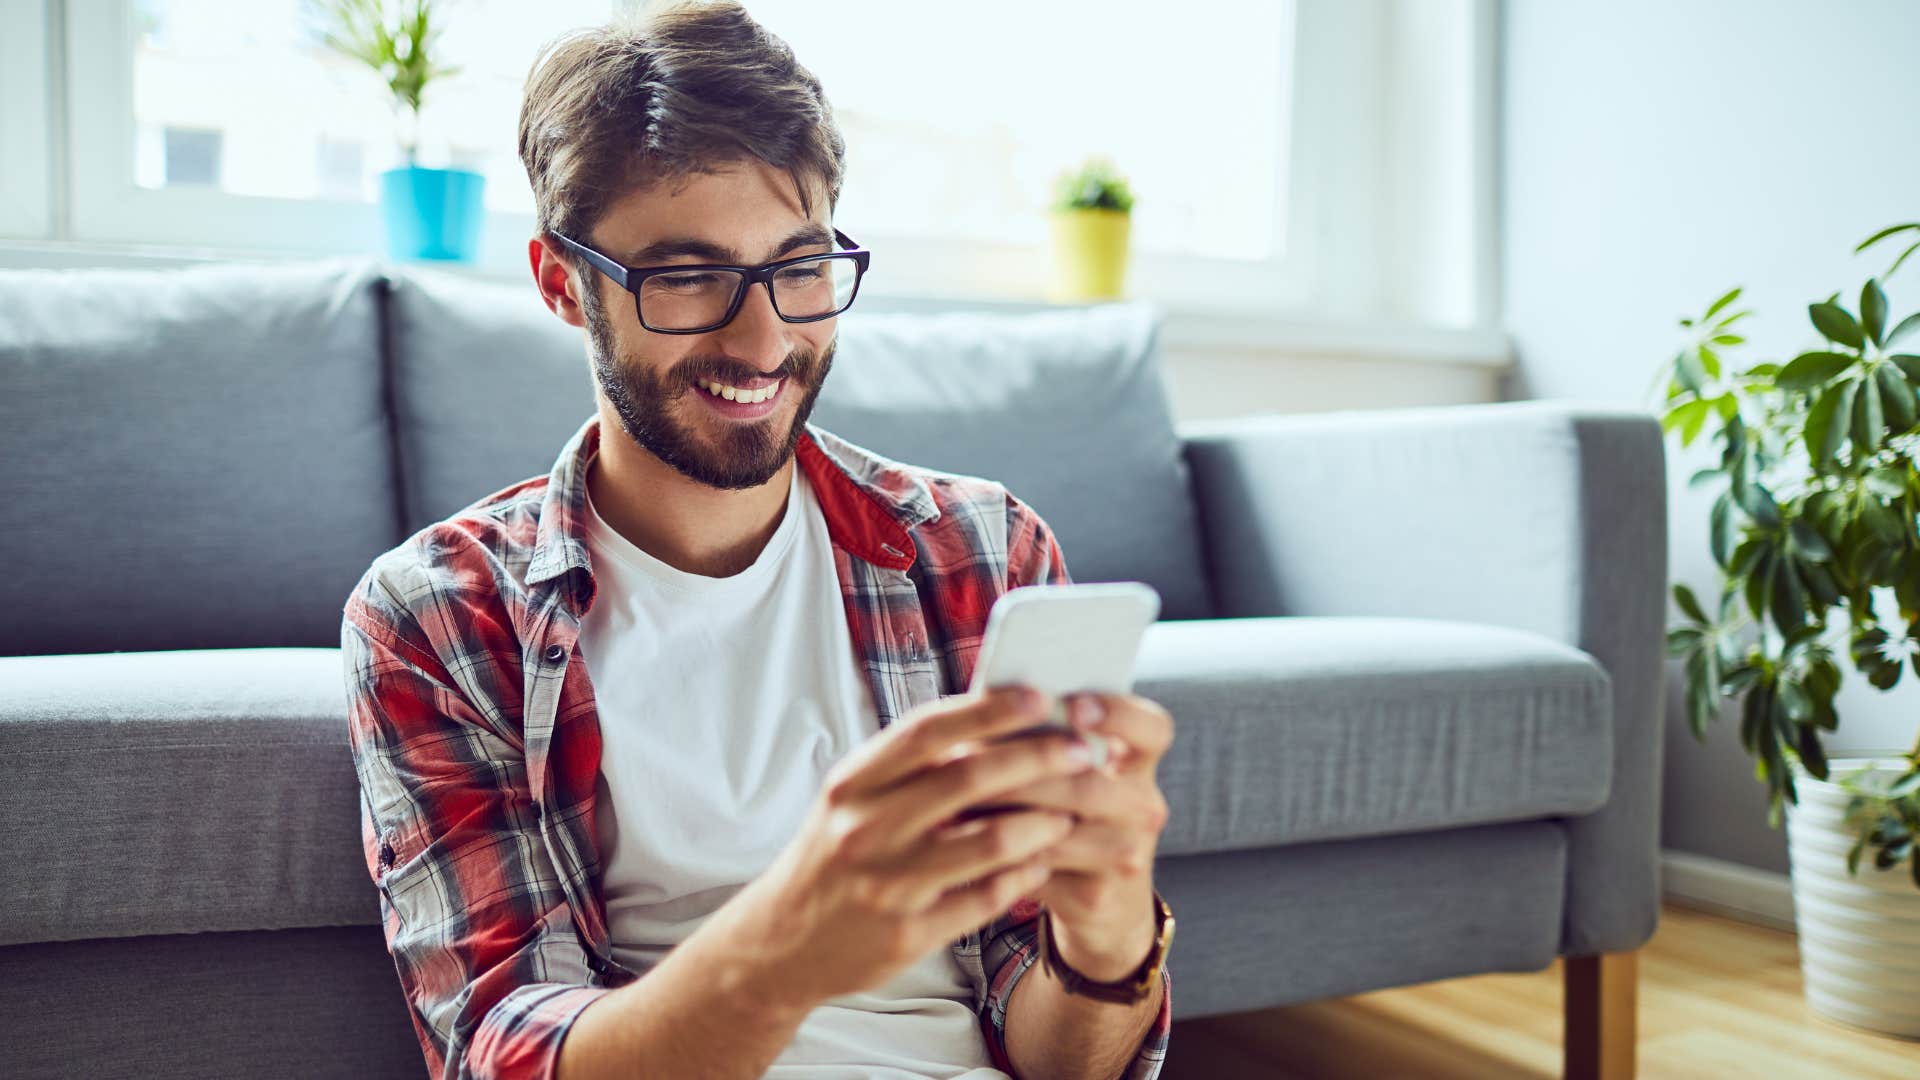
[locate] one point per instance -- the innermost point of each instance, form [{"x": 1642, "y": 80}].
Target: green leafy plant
[
  {"x": 1095, "y": 185},
  {"x": 1814, "y": 532},
  {"x": 396, "y": 39}
]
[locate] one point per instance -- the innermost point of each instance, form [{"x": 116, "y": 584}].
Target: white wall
[{"x": 1656, "y": 153}]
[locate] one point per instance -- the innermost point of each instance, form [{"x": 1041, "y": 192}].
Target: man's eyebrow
[{"x": 807, "y": 235}]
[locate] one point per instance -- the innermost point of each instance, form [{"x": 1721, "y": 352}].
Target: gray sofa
[{"x": 1413, "y": 656}]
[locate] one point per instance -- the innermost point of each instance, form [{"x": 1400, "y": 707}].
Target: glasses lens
[
  {"x": 694, "y": 300},
  {"x": 698, "y": 299},
  {"x": 815, "y": 288}
]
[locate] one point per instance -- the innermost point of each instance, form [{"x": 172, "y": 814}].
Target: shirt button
[{"x": 555, "y": 654}]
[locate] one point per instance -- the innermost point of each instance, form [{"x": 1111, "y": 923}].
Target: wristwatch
[{"x": 1126, "y": 991}]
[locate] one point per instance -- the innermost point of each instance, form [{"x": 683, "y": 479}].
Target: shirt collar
[{"x": 870, "y": 502}]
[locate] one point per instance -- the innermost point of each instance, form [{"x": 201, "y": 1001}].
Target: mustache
[{"x": 740, "y": 375}]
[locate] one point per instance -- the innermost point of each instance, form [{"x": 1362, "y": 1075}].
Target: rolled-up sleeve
[{"x": 481, "y": 935}]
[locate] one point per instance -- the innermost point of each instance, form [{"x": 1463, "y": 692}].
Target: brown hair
[{"x": 683, "y": 88}]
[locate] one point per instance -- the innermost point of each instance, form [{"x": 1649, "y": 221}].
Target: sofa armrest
[{"x": 1542, "y": 516}]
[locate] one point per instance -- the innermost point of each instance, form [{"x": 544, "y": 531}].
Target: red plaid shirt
[{"x": 477, "y": 743}]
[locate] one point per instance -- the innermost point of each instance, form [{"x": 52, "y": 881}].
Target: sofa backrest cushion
[
  {"x": 191, "y": 458},
  {"x": 488, "y": 386},
  {"x": 1067, "y": 407}
]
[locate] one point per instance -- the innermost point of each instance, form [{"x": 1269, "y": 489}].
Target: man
[{"x": 646, "y": 786}]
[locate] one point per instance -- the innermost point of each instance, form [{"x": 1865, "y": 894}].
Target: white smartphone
[{"x": 1066, "y": 638}]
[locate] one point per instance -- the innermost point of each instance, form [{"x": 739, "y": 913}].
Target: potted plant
[
  {"x": 430, "y": 213},
  {"x": 1090, "y": 217},
  {"x": 1814, "y": 536}
]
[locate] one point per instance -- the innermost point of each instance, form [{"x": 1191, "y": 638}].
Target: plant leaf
[
  {"x": 1907, "y": 326},
  {"x": 1758, "y": 502},
  {"x": 1812, "y": 755},
  {"x": 1732, "y": 295},
  {"x": 1827, "y": 422},
  {"x": 1686, "y": 419},
  {"x": 1873, "y": 309},
  {"x": 1758, "y": 575},
  {"x": 1884, "y": 233},
  {"x": 1896, "y": 265},
  {"x": 1869, "y": 422},
  {"x": 1896, "y": 397},
  {"x": 1809, "y": 540},
  {"x": 1886, "y": 481},
  {"x": 1788, "y": 605},
  {"x": 1835, "y": 324},
  {"x": 1688, "y": 370},
  {"x": 1812, "y": 369},
  {"x": 1689, "y": 604},
  {"x": 1908, "y": 364},
  {"x": 1709, "y": 362},
  {"x": 1723, "y": 529},
  {"x": 1683, "y": 640}
]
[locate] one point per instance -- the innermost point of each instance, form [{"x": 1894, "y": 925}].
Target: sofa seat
[
  {"x": 169, "y": 779},
  {"x": 1304, "y": 728},
  {"x": 177, "y": 792}
]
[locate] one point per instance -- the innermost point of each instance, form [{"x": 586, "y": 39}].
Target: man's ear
[{"x": 555, "y": 280}]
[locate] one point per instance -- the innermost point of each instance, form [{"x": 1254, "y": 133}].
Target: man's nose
[{"x": 757, "y": 330}]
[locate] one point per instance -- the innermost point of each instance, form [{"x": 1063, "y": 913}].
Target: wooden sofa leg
[{"x": 1600, "y": 1005}]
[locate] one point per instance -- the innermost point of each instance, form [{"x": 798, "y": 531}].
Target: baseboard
[{"x": 1761, "y": 897}]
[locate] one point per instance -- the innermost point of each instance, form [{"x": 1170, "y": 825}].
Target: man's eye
[{"x": 683, "y": 281}]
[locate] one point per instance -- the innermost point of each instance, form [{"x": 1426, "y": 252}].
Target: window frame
[
  {"x": 26, "y": 107},
  {"x": 1331, "y": 215}
]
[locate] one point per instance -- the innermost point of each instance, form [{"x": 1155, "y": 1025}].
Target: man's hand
[
  {"x": 879, "y": 873},
  {"x": 1101, "y": 890}
]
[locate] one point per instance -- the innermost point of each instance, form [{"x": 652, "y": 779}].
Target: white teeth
[{"x": 735, "y": 394}]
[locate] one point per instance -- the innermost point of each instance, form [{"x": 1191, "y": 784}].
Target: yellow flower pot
[{"x": 1089, "y": 254}]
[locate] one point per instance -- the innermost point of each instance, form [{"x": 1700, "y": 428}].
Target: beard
[{"x": 720, "y": 453}]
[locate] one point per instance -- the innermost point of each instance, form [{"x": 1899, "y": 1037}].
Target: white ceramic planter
[{"x": 1859, "y": 936}]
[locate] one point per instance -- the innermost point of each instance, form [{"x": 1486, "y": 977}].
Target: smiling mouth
[{"x": 755, "y": 390}]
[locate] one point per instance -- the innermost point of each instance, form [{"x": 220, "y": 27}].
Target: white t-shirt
[{"x": 723, "y": 702}]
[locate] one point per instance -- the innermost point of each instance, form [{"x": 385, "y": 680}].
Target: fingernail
[
  {"x": 1080, "y": 751},
  {"x": 1088, "y": 711}
]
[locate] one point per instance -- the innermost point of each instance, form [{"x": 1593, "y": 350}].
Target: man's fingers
[
  {"x": 1141, "y": 723},
  {"x": 952, "y": 786},
  {"x": 1094, "y": 796},
  {"x": 926, "y": 737}
]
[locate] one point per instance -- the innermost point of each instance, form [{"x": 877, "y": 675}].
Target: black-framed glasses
[{"x": 698, "y": 298}]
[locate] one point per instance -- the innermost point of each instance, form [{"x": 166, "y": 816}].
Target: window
[
  {"x": 955, "y": 127},
  {"x": 26, "y": 195},
  {"x": 305, "y": 105},
  {"x": 211, "y": 124}
]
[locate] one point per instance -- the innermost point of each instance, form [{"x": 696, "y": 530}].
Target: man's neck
[{"x": 687, "y": 525}]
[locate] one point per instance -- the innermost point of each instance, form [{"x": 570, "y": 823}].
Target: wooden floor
[{"x": 1718, "y": 998}]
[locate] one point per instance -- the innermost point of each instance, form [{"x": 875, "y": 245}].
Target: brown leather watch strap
[{"x": 1129, "y": 990}]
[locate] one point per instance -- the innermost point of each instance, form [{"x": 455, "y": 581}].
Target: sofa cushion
[
  {"x": 191, "y": 458},
  {"x": 488, "y": 386},
  {"x": 1068, "y": 408},
  {"x": 177, "y": 792},
  {"x": 1292, "y": 729}
]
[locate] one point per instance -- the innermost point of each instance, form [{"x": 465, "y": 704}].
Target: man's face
[{"x": 654, "y": 381}]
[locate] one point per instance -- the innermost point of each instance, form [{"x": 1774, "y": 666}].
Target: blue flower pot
[{"x": 432, "y": 213}]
